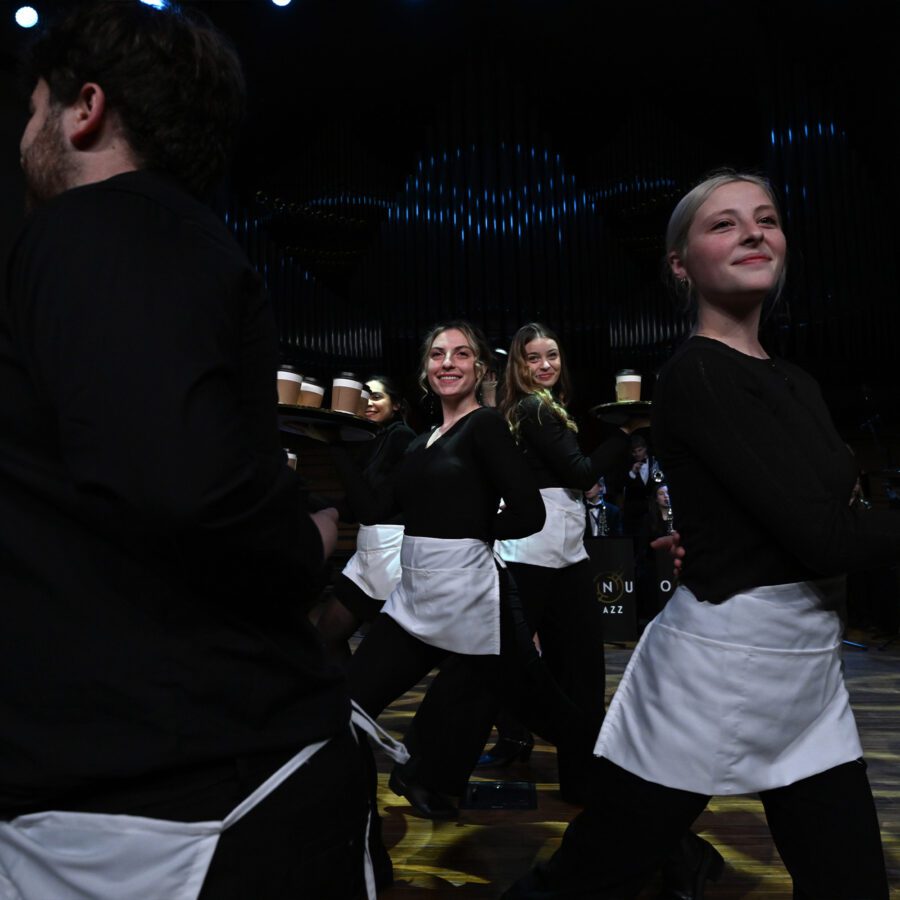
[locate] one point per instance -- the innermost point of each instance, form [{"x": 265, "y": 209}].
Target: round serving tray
[
  {"x": 325, "y": 425},
  {"x": 618, "y": 413}
]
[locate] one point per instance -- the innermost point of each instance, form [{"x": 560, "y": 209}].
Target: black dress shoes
[
  {"x": 505, "y": 751},
  {"x": 425, "y": 802},
  {"x": 687, "y": 870}
]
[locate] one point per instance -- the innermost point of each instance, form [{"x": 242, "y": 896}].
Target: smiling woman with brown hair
[{"x": 450, "y": 599}]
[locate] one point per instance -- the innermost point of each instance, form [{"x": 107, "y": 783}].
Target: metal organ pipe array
[
  {"x": 316, "y": 326},
  {"x": 501, "y": 230},
  {"x": 843, "y": 261},
  {"x": 499, "y": 234}
]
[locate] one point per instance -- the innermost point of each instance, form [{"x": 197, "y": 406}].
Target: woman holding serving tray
[
  {"x": 551, "y": 568},
  {"x": 374, "y": 570},
  {"x": 736, "y": 686}
]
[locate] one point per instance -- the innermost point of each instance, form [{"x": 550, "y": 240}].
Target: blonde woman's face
[
  {"x": 735, "y": 246},
  {"x": 452, "y": 365}
]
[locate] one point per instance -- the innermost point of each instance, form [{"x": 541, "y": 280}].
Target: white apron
[
  {"x": 375, "y": 567},
  {"x": 733, "y": 698},
  {"x": 560, "y": 542},
  {"x": 95, "y": 856},
  {"x": 449, "y": 594}
]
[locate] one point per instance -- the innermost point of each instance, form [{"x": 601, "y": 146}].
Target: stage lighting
[
  {"x": 281, "y": 2},
  {"x": 156, "y": 4},
  {"x": 26, "y": 17}
]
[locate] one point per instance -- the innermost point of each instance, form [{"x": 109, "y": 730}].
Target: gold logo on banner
[{"x": 611, "y": 587}]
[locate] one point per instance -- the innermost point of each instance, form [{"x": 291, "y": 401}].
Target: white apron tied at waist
[
  {"x": 737, "y": 697},
  {"x": 560, "y": 542},
  {"x": 375, "y": 567},
  {"x": 58, "y": 855},
  {"x": 449, "y": 594}
]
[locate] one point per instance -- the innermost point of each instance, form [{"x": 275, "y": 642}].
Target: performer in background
[
  {"x": 640, "y": 482},
  {"x": 374, "y": 570},
  {"x": 658, "y": 523},
  {"x": 602, "y": 518},
  {"x": 736, "y": 687}
]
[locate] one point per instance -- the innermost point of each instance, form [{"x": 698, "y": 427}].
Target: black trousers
[
  {"x": 458, "y": 711},
  {"x": 306, "y": 839},
  {"x": 364, "y": 607},
  {"x": 559, "y": 604},
  {"x": 825, "y": 828}
]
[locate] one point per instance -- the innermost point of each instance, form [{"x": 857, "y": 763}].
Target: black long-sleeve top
[
  {"x": 758, "y": 475},
  {"x": 553, "y": 454},
  {"x": 452, "y": 489},
  {"x": 153, "y": 543},
  {"x": 380, "y": 459}
]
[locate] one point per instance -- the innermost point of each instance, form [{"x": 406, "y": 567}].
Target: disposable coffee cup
[
  {"x": 628, "y": 386},
  {"x": 345, "y": 391},
  {"x": 289, "y": 383},
  {"x": 291, "y": 459},
  {"x": 363, "y": 401},
  {"x": 311, "y": 393}
]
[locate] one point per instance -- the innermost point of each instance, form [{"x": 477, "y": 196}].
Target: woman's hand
[
  {"x": 672, "y": 543},
  {"x": 635, "y": 424}
]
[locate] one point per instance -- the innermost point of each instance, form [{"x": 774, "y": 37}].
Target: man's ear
[{"x": 86, "y": 116}]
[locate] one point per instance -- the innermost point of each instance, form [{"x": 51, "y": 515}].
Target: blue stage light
[
  {"x": 156, "y": 4},
  {"x": 26, "y": 17}
]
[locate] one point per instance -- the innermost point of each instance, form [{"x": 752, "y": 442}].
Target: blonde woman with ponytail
[{"x": 736, "y": 687}]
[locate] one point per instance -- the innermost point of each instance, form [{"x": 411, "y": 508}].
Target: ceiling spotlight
[
  {"x": 26, "y": 17},
  {"x": 281, "y": 2}
]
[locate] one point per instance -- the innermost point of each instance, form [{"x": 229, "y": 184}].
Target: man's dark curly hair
[{"x": 173, "y": 80}]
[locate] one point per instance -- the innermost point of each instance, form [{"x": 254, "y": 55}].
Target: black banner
[{"x": 612, "y": 561}]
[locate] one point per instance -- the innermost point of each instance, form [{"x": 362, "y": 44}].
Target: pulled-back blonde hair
[{"x": 683, "y": 216}]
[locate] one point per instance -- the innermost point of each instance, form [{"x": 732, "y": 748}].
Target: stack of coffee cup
[
  {"x": 289, "y": 383},
  {"x": 345, "y": 393}
]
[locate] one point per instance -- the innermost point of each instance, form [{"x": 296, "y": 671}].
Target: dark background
[{"x": 559, "y": 134}]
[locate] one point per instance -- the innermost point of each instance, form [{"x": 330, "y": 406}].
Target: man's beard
[{"x": 46, "y": 167}]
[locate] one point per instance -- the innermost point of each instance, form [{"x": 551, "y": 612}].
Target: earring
[{"x": 429, "y": 402}]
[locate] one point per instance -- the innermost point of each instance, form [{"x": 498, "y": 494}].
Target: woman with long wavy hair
[{"x": 551, "y": 568}]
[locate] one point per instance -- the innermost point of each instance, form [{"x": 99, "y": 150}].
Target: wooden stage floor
[{"x": 477, "y": 856}]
